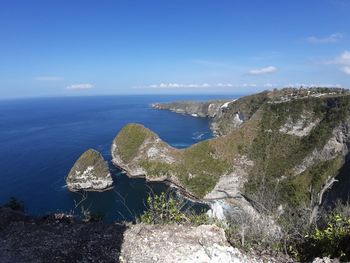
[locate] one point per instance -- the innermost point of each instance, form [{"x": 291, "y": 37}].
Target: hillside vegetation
[{"x": 291, "y": 137}]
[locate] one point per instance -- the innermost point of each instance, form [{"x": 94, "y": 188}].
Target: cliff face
[
  {"x": 172, "y": 243},
  {"x": 295, "y": 141},
  {"x": 90, "y": 173},
  {"x": 196, "y": 109},
  {"x": 225, "y": 114}
]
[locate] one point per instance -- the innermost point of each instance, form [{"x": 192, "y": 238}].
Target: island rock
[{"x": 90, "y": 173}]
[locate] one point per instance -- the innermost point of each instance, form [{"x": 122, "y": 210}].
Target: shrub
[
  {"x": 248, "y": 231},
  {"x": 165, "y": 209},
  {"x": 332, "y": 240}
]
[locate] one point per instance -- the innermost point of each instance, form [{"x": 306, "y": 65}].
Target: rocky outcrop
[
  {"x": 172, "y": 243},
  {"x": 302, "y": 126},
  {"x": 57, "y": 238},
  {"x": 90, "y": 173},
  {"x": 337, "y": 145}
]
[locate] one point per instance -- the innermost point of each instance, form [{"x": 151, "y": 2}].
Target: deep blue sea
[{"x": 41, "y": 138}]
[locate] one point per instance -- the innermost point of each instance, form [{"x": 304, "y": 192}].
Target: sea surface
[{"x": 41, "y": 138}]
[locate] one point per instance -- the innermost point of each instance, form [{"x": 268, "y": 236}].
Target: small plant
[
  {"x": 332, "y": 240},
  {"x": 165, "y": 209},
  {"x": 14, "y": 204}
]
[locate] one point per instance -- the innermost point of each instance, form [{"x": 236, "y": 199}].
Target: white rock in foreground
[
  {"x": 176, "y": 243},
  {"x": 90, "y": 173}
]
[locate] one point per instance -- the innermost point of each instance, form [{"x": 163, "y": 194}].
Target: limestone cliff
[
  {"x": 229, "y": 114},
  {"x": 90, "y": 173},
  {"x": 294, "y": 141},
  {"x": 196, "y": 109}
]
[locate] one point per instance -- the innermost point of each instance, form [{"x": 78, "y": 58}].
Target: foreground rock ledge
[
  {"x": 90, "y": 173},
  {"x": 178, "y": 243}
]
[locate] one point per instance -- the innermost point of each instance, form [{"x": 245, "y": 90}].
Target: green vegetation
[
  {"x": 200, "y": 168},
  {"x": 330, "y": 240},
  {"x": 157, "y": 168},
  {"x": 165, "y": 209},
  {"x": 276, "y": 154},
  {"x": 300, "y": 189},
  {"x": 130, "y": 139},
  {"x": 273, "y": 187}
]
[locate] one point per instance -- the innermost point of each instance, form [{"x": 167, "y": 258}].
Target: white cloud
[
  {"x": 344, "y": 60},
  {"x": 346, "y": 70},
  {"x": 81, "y": 86},
  {"x": 248, "y": 85},
  {"x": 48, "y": 78},
  {"x": 333, "y": 38},
  {"x": 262, "y": 71},
  {"x": 191, "y": 85}
]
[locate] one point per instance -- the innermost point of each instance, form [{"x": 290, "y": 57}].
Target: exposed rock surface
[
  {"x": 90, "y": 173},
  {"x": 172, "y": 244},
  {"x": 300, "y": 127},
  {"x": 337, "y": 144}
]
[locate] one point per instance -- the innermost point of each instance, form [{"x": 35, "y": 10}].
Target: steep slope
[{"x": 288, "y": 150}]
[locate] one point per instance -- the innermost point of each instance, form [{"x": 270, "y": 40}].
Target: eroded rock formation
[{"x": 90, "y": 173}]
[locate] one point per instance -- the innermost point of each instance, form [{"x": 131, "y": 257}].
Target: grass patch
[
  {"x": 129, "y": 140},
  {"x": 200, "y": 168},
  {"x": 157, "y": 169}
]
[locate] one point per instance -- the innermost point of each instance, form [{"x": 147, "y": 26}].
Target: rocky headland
[{"x": 289, "y": 137}]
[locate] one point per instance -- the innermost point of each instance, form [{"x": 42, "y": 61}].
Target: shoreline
[{"x": 90, "y": 190}]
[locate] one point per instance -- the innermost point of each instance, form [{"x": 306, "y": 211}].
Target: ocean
[{"x": 41, "y": 139}]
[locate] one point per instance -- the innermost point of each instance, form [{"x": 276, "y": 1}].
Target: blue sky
[{"x": 62, "y": 48}]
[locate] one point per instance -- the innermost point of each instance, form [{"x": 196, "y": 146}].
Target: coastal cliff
[
  {"x": 228, "y": 114},
  {"x": 293, "y": 140}
]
